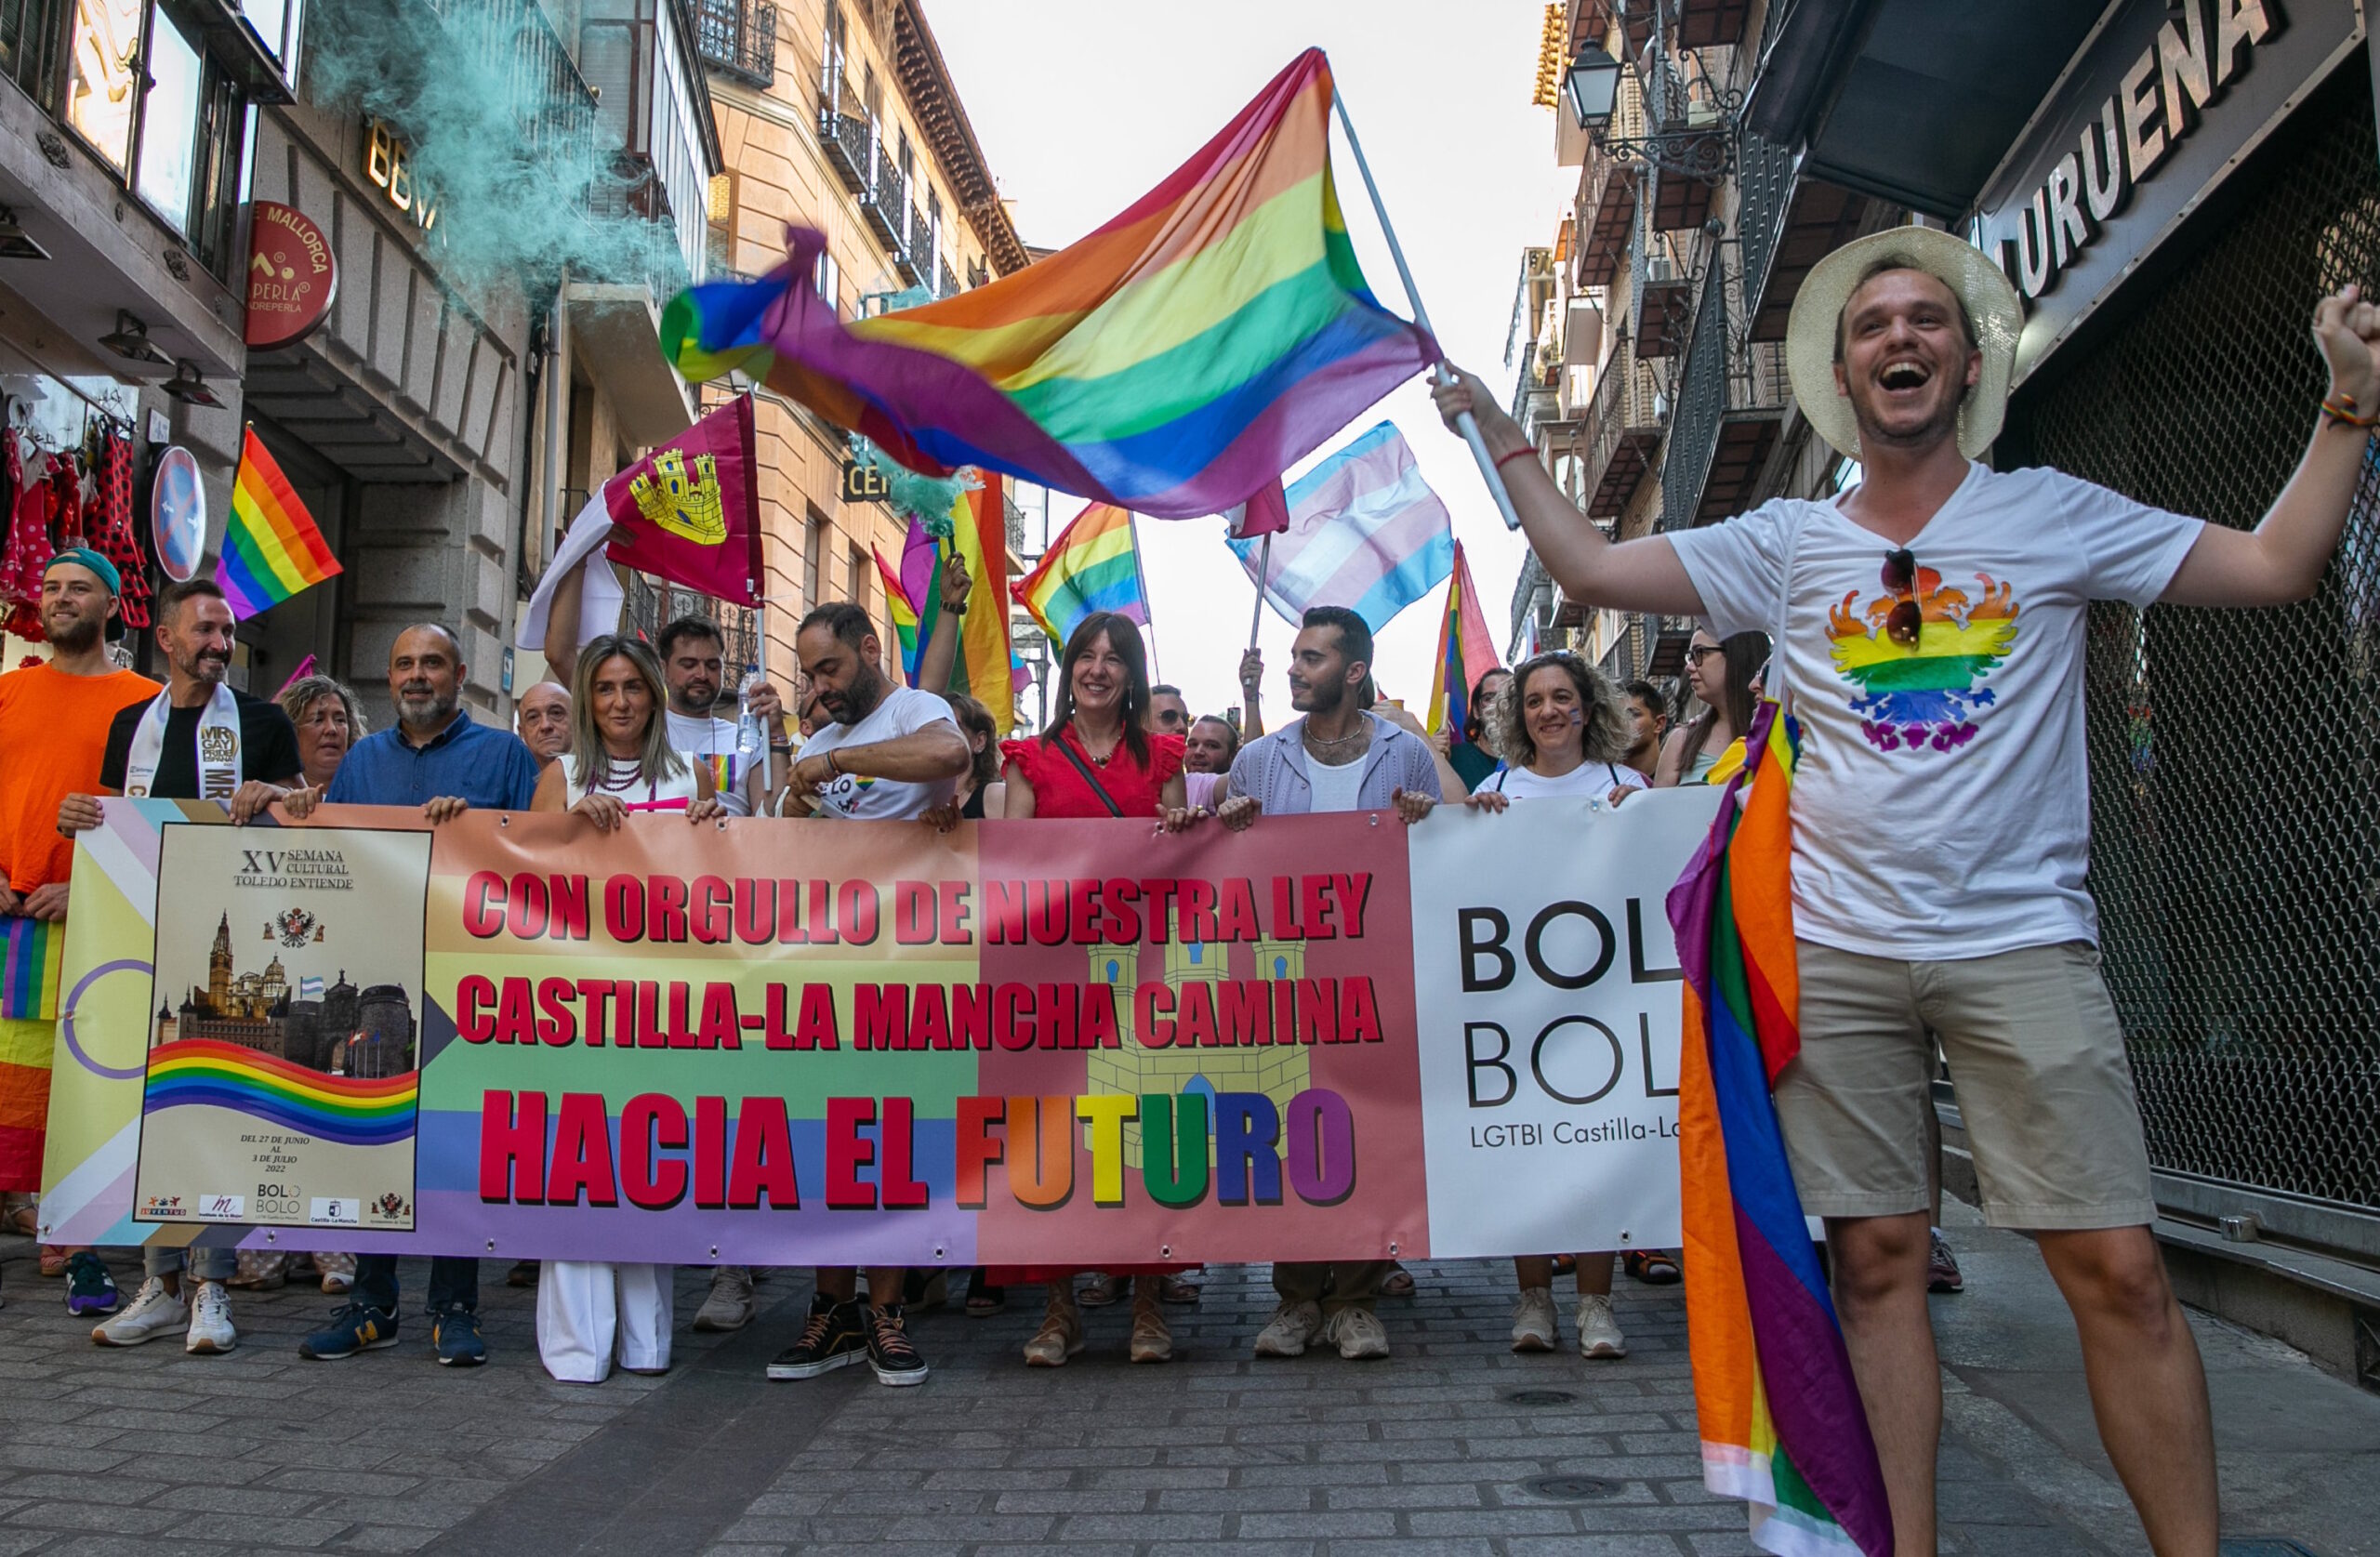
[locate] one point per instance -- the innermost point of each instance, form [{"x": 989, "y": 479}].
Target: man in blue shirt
[{"x": 437, "y": 758}]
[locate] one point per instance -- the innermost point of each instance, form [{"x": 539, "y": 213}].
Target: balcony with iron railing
[
  {"x": 915, "y": 260},
  {"x": 846, "y": 128},
  {"x": 1608, "y": 191},
  {"x": 1624, "y": 427},
  {"x": 1731, "y": 399},
  {"x": 557, "y": 109},
  {"x": 885, "y": 201},
  {"x": 738, "y": 38},
  {"x": 945, "y": 281},
  {"x": 1662, "y": 272}
]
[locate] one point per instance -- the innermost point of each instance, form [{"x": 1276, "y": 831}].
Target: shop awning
[{"x": 1915, "y": 100}]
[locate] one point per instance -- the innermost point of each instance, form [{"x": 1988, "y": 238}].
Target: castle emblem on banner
[{"x": 682, "y": 498}]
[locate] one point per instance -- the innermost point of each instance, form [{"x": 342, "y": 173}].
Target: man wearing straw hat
[{"x": 1930, "y": 626}]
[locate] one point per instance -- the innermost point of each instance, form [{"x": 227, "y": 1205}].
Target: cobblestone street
[{"x": 1452, "y": 1445}]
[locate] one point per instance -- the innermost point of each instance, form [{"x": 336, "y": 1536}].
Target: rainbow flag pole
[
  {"x": 271, "y": 547},
  {"x": 1466, "y": 424}
]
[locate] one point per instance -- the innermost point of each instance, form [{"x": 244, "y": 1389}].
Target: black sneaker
[
  {"x": 833, "y": 1336},
  {"x": 889, "y": 1350}
]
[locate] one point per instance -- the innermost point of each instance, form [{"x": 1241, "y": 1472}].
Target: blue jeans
[{"x": 454, "y": 1282}]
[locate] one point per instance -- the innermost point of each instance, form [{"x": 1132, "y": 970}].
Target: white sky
[{"x": 1084, "y": 105}]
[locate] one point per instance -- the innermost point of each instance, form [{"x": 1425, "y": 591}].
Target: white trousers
[{"x": 588, "y": 1311}]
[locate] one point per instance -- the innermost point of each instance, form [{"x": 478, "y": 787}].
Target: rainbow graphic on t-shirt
[{"x": 1911, "y": 698}]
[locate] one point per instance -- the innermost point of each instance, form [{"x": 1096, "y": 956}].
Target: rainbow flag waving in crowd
[
  {"x": 271, "y": 547},
  {"x": 1094, "y": 564},
  {"x": 1174, "y": 361},
  {"x": 1466, "y": 652},
  {"x": 987, "y": 669},
  {"x": 1781, "y": 1424}
]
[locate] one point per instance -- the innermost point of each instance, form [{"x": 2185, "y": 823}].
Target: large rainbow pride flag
[
  {"x": 1174, "y": 363},
  {"x": 271, "y": 547},
  {"x": 1781, "y": 1423}
]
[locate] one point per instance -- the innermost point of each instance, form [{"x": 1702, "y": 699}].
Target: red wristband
[{"x": 1503, "y": 460}]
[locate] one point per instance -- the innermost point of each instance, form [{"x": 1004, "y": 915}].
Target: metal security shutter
[{"x": 2235, "y": 755}]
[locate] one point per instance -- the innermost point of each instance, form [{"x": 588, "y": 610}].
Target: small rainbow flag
[
  {"x": 986, "y": 667},
  {"x": 271, "y": 547},
  {"x": 1093, "y": 565},
  {"x": 347, "y": 1109},
  {"x": 32, "y": 952},
  {"x": 1175, "y": 362},
  {"x": 1781, "y": 1423},
  {"x": 1466, "y": 652}
]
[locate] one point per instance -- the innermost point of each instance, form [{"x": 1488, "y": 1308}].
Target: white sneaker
[
  {"x": 1358, "y": 1333},
  {"x": 154, "y": 1312},
  {"x": 1534, "y": 1326},
  {"x": 1294, "y": 1325},
  {"x": 1598, "y": 1331},
  {"x": 210, "y": 1321},
  {"x": 730, "y": 1305}
]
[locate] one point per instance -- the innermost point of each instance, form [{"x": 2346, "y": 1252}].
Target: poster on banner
[
  {"x": 1549, "y": 1033},
  {"x": 280, "y": 1082},
  {"x": 1040, "y": 1042}
]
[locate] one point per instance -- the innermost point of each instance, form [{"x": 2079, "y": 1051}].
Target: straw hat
[{"x": 1990, "y": 302}]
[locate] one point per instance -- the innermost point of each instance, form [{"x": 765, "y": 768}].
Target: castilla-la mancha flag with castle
[{"x": 690, "y": 511}]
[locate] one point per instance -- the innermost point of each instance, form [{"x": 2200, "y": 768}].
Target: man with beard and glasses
[
  {"x": 542, "y": 720},
  {"x": 439, "y": 759},
  {"x": 1930, "y": 626},
  {"x": 891, "y": 754},
  {"x": 54, "y": 722},
  {"x": 198, "y": 740},
  {"x": 1168, "y": 710}
]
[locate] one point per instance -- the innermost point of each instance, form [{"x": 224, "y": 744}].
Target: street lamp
[
  {"x": 1702, "y": 147},
  {"x": 1594, "y": 85}
]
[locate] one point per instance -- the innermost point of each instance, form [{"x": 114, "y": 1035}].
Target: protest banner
[{"x": 771, "y": 1043}]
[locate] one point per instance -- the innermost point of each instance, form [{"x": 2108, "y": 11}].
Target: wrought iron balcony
[
  {"x": 947, "y": 282},
  {"x": 1608, "y": 189},
  {"x": 557, "y": 108},
  {"x": 846, "y": 130},
  {"x": 916, "y": 259},
  {"x": 885, "y": 201},
  {"x": 1663, "y": 268},
  {"x": 738, "y": 38},
  {"x": 1625, "y": 422},
  {"x": 1730, "y": 404}
]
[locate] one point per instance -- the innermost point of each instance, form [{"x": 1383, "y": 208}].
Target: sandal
[
  {"x": 1100, "y": 1292},
  {"x": 1177, "y": 1291},
  {"x": 53, "y": 1261},
  {"x": 1652, "y": 1267},
  {"x": 983, "y": 1301},
  {"x": 1398, "y": 1283},
  {"x": 22, "y": 1215}
]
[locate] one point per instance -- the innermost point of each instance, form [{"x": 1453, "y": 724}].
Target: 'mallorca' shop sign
[
  {"x": 292, "y": 275},
  {"x": 2161, "y": 103}
]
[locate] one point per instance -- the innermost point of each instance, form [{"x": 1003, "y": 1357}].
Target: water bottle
[{"x": 751, "y": 741}]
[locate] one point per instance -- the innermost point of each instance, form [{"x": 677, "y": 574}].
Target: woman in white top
[
  {"x": 1562, "y": 728},
  {"x": 620, "y": 762}
]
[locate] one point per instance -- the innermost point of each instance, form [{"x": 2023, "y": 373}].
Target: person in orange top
[{"x": 54, "y": 726}]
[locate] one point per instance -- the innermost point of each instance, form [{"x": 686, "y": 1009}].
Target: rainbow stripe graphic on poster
[{"x": 351, "y": 1111}]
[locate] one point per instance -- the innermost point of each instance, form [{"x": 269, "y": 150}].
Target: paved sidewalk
[{"x": 1452, "y": 1445}]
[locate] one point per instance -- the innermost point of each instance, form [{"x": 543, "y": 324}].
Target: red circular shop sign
[{"x": 292, "y": 275}]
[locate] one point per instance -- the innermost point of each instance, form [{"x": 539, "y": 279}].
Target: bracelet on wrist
[
  {"x": 2339, "y": 408},
  {"x": 1504, "y": 459}
]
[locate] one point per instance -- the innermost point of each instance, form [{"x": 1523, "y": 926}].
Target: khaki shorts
[{"x": 2037, "y": 1060}]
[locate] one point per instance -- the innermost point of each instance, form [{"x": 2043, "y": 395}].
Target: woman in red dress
[{"x": 1097, "y": 759}]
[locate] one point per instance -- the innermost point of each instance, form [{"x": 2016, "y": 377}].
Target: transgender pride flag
[{"x": 1364, "y": 532}]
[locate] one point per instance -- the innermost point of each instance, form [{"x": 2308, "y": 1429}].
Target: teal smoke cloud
[{"x": 501, "y": 139}]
